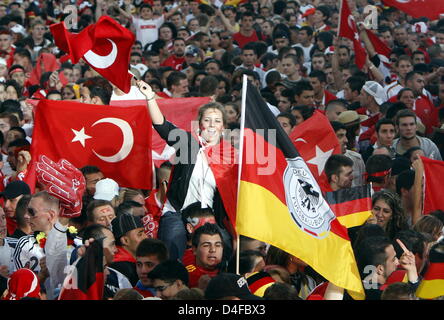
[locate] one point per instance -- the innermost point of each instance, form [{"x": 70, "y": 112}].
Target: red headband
[{"x": 378, "y": 174}]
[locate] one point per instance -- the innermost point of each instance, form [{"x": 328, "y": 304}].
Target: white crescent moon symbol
[
  {"x": 101, "y": 62},
  {"x": 300, "y": 139},
  {"x": 128, "y": 139}
]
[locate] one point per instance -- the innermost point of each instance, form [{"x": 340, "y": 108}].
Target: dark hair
[
  {"x": 383, "y": 121},
  {"x": 207, "y": 228},
  {"x": 398, "y": 290},
  {"x": 20, "y": 130},
  {"x": 405, "y": 114},
  {"x": 93, "y": 205},
  {"x": 94, "y": 231},
  {"x": 281, "y": 291},
  {"x": 208, "y": 86},
  {"x": 170, "y": 271},
  {"x": 375, "y": 164},
  {"x": 302, "y": 86},
  {"x": 405, "y": 180},
  {"x": 320, "y": 75},
  {"x": 334, "y": 165},
  {"x": 89, "y": 170},
  {"x": 413, "y": 240},
  {"x": 21, "y": 209},
  {"x": 308, "y": 29},
  {"x": 367, "y": 230},
  {"x": 19, "y": 143},
  {"x": 305, "y": 111},
  {"x": 289, "y": 116},
  {"x": 149, "y": 247},
  {"x": 174, "y": 78},
  {"x": 336, "y": 125},
  {"x": 355, "y": 83},
  {"x": 371, "y": 252},
  {"x": 398, "y": 220},
  {"x": 246, "y": 261},
  {"x": 101, "y": 93},
  {"x": 393, "y": 110}
]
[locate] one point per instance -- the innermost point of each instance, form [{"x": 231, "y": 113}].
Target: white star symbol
[
  {"x": 320, "y": 159},
  {"x": 80, "y": 136}
]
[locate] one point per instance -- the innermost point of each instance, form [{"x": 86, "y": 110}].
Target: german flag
[
  {"x": 352, "y": 206},
  {"x": 279, "y": 201},
  {"x": 432, "y": 285},
  {"x": 86, "y": 280}
]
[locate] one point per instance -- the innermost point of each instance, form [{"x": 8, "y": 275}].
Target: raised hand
[
  {"x": 145, "y": 89},
  {"x": 63, "y": 181}
]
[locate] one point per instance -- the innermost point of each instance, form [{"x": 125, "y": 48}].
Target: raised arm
[
  {"x": 417, "y": 190},
  {"x": 154, "y": 110},
  {"x": 225, "y": 21}
]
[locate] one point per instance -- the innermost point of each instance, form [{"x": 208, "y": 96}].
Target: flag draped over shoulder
[
  {"x": 279, "y": 201},
  {"x": 86, "y": 280},
  {"x": 116, "y": 140},
  {"x": 352, "y": 206},
  {"x": 432, "y": 285},
  {"x": 434, "y": 175}
]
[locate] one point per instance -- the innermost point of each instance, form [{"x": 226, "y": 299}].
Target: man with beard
[
  {"x": 406, "y": 127},
  {"x": 176, "y": 60}
]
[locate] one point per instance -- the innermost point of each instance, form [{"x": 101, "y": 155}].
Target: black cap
[
  {"x": 399, "y": 165},
  {"x": 15, "y": 189},
  {"x": 229, "y": 285},
  {"x": 124, "y": 223}
]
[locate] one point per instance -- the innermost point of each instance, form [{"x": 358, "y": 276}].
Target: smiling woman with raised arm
[{"x": 204, "y": 170}]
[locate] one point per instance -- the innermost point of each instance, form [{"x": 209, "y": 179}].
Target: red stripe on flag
[
  {"x": 350, "y": 207},
  {"x": 435, "y": 271},
  {"x": 259, "y": 283}
]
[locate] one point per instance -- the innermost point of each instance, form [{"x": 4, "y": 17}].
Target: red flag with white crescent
[
  {"x": 117, "y": 140},
  {"x": 105, "y": 46},
  {"x": 349, "y": 30},
  {"x": 418, "y": 8}
]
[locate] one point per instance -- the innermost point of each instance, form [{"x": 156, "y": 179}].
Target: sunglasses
[{"x": 225, "y": 38}]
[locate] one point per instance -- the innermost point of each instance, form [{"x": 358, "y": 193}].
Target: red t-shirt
[
  {"x": 194, "y": 271},
  {"x": 174, "y": 62},
  {"x": 243, "y": 40},
  {"x": 427, "y": 112}
]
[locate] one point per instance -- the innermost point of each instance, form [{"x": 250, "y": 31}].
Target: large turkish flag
[
  {"x": 316, "y": 142},
  {"x": 105, "y": 46},
  {"x": 117, "y": 140}
]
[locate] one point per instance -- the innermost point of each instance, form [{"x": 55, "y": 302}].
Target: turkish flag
[
  {"x": 117, "y": 140},
  {"x": 380, "y": 46},
  {"x": 348, "y": 29},
  {"x": 180, "y": 111},
  {"x": 105, "y": 46},
  {"x": 316, "y": 141},
  {"x": 418, "y": 8},
  {"x": 434, "y": 176}
]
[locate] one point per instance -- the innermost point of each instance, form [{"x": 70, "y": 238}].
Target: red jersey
[
  {"x": 194, "y": 271},
  {"x": 243, "y": 40},
  {"x": 174, "y": 62},
  {"x": 427, "y": 112}
]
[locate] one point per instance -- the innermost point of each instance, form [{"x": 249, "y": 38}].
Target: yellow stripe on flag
[
  {"x": 261, "y": 215},
  {"x": 430, "y": 289},
  {"x": 355, "y": 219}
]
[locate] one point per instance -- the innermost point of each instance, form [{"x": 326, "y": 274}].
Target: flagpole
[
  {"x": 241, "y": 154},
  {"x": 340, "y": 16}
]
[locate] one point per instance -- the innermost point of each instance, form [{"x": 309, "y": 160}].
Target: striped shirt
[{"x": 27, "y": 251}]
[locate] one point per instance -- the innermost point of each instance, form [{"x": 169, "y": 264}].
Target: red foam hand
[{"x": 63, "y": 181}]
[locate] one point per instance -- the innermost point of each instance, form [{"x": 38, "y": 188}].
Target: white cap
[
  {"x": 376, "y": 91},
  {"x": 141, "y": 68},
  {"x": 106, "y": 189},
  {"x": 3, "y": 61},
  {"x": 18, "y": 28}
]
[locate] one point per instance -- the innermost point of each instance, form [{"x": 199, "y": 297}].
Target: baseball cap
[
  {"x": 15, "y": 189},
  {"x": 18, "y": 28},
  {"x": 191, "y": 50},
  {"x": 309, "y": 12},
  {"x": 376, "y": 90},
  {"x": 141, "y": 68},
  {"x": 106, "y": 189},
  {"x": 124, "y": 223},
  {"x": 419, "y": 27},
  {"x": 227, "y": 285}
]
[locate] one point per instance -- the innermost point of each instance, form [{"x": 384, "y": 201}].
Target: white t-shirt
[
  {"x": 306, "y": 51},
  {"x": 147, "y": 30}
]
